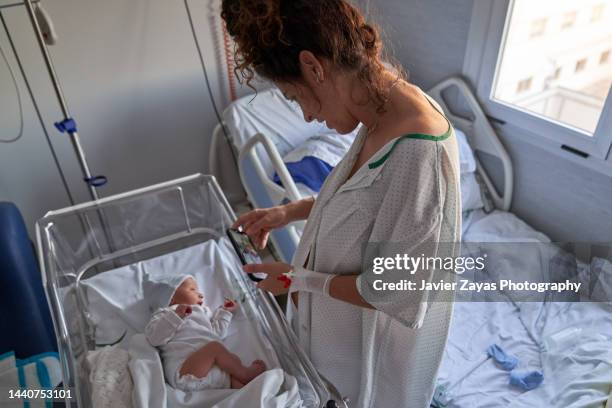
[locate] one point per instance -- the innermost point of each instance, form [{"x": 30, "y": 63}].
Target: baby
[{"x": 189, "y": 336}]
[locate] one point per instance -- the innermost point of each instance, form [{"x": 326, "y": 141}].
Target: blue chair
[{"x": 25, "y": 322}]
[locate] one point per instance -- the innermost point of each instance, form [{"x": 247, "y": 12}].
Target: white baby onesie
[{"x": 177, "y": 338}]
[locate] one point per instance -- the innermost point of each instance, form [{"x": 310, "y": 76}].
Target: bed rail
[
  {"x": 481, "y": 136},
  {"x": 290, "y": 191}
]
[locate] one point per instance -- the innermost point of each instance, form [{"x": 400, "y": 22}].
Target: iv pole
[{"x": 68, "y": 124}]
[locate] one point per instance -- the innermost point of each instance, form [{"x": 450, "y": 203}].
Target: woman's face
[{"x": 319, "y": 97}]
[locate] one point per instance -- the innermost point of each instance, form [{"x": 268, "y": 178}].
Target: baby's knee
[{"x": 215, "y": 346}]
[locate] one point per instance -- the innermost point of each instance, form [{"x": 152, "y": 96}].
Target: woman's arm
[
  {"x": 344, "y": 287},
  {"x": 299, "y": 210}
]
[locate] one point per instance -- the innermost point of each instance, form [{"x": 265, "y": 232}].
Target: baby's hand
[
  {"x": 230, "y": 305},
  {"x": 183, "y": 310}
]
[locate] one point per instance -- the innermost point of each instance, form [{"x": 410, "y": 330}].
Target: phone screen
[
  {"x": 246, "y": 251},
  {"x": 243, "y": 246}
]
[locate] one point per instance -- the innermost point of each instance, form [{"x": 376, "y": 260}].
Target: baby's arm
[
  {"x": 220, "y": 321},
  {"x": 162, "y": 327}
]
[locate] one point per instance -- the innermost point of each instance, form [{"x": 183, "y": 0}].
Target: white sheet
[
  {"x": 273, "y": 389},
  {"x": 116, "y": 305},
  {"x": 580, "y": 376},
  {"x": 328, "y": 147}
]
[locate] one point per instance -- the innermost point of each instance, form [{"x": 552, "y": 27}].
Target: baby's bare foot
[{"x": 257, "y": 367}]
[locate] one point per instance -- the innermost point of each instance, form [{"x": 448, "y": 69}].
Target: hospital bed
[
  {"x": 94, "y": 258},
  {"x": 264, "y": 130},
  {"x": 266, "y": 127}
]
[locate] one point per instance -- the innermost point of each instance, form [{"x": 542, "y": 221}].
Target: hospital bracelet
[{"x": 300, "y": 279}]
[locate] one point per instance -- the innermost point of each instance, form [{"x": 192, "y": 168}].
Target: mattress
[
  {"x": 577, "y": 374},
  {"x": 119, "y": 311}
]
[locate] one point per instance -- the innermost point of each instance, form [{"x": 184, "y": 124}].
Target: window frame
[{"x": 486, "y": 36}]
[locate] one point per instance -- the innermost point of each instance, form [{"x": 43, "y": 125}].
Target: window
[
  {"x": 580, "y": 65},
  {"x": 546, "y": 89},
  {"x": 538, "y": 27},
  {"x": 598, "y": 11},
  {"x": 524, "y": 85},
  {"x": 568, "y": 20}
]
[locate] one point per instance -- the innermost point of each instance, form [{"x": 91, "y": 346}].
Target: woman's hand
[
  {"x": 257, "y": 224},
  {"x": 272, "y": 283}
]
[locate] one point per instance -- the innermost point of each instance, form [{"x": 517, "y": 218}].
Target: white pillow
[
  {"x": 467, "y": 161},
  {"x": 270, "y": 113},
  {"x": 471, "y": 196}
]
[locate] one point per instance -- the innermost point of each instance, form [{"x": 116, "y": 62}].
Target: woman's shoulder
[
  {"x": 415, "y": 149},
  {"x": 419, "y": 112}
]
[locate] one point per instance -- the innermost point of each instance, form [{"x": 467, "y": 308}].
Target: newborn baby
[{"x": 189, "y": 336}]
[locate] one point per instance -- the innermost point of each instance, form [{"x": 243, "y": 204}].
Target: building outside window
[
  {"x": 575, "y": 99},
  {"x": 538, "y": 27},
  {"x": 598, "y": 12},
  {"x": 524, "y": 85},
  {"x": 568, "y": 20},
  {"x": 580, "y": 65}
]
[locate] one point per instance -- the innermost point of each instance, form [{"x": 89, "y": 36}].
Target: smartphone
[{"x": 246, "y": 251}]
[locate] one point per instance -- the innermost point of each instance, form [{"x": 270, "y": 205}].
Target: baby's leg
[
  {"x": 200, "y": 362},
  {"x": 235, "y": 384}
]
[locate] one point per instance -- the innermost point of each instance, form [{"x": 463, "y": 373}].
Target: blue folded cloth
[
  {"x": 504, "y": 360},
  {"x": 310, "y": 171},
  {"x": 526, "y": 380}
]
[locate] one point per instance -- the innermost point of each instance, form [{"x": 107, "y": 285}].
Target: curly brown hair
[{"x": 270, "y": 34}]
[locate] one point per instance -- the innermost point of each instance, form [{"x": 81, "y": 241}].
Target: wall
[
  {"x": 563, "y": 196},
  {"x": 133, "y": 81},
  {"x": 427, "y": 36},
  {"x": 558, "y": 194}
]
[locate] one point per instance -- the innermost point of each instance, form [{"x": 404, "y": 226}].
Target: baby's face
[{"x": 187, "y": 294}]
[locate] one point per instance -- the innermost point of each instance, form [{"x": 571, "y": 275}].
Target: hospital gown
[{"x": 408, "y": 192}]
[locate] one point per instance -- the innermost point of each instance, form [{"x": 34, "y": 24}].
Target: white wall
[
  {"x": 427, "y": 36},
  {"x": 133, "y": 81}
]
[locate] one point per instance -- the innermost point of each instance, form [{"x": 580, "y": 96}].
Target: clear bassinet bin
[{"x": 86, "y": 240}]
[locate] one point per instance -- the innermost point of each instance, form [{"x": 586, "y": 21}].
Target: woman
[{"x": 398, "y": 183}]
